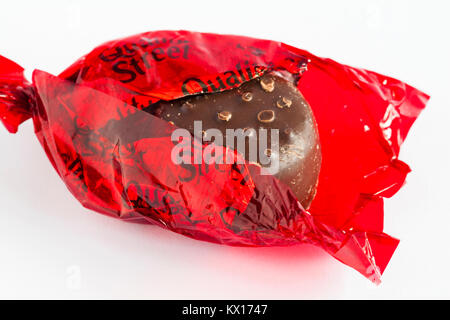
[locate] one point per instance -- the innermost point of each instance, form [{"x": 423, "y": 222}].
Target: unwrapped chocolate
[{"x": 134, "y": 129}]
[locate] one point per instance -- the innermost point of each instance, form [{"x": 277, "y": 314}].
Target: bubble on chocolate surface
[
  {"x": 187, "y": 106},
  {"x": 266, "y": 116},
  {"x": 284, "y": 103},
  {"x": 247, "y": 96},
  {"x": 224, "y": 115},
  {"x": 268, "y": 84},
  {"x": 249, "y": 131}
]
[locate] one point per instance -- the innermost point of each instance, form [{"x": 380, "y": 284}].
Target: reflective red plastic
[{"x": 114, "y": 156}]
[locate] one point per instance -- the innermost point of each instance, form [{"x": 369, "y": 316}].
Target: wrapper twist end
[
  {"x": 368, "y": 253},
  {"x": 16, "y": 95}
]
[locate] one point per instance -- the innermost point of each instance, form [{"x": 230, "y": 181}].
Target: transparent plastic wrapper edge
[{"x": 96, "y": 122}]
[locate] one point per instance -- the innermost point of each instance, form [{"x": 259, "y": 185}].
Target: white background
[{"x": 51, "y": 247}]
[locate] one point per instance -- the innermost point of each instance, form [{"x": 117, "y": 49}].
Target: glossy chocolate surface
[{"x": 269, "y": 102}]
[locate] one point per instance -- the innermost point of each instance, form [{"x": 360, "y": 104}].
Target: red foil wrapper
[{"x": 115, "y": 157}]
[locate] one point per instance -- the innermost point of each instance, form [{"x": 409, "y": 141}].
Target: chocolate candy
[
  {"x": 119, "y": 161},
  {"x": 269, "y": 102}
]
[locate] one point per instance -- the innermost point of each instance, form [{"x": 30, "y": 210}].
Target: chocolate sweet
[
  {"x": 118, "y": 160},
  {"x": 269, "y": 102}
]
